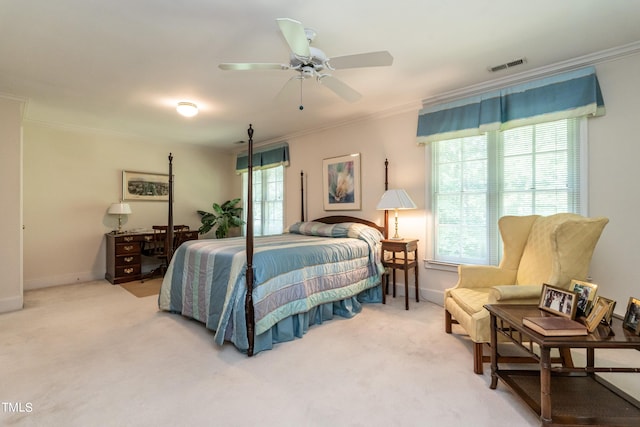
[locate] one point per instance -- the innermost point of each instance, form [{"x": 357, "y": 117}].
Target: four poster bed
[{"x": 255, "y": 292}]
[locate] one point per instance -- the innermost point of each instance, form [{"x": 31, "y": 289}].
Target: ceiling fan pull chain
[{"x": 301, "y": 106}]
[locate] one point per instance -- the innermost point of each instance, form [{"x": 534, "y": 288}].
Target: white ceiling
[{"x": 122, "y": 65}]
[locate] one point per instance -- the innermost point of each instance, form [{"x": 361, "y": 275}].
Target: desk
[
  {"x": 405, "y": 263},
  {"x": 580, "y": 397},
  {"x": 124, "y": 254}
]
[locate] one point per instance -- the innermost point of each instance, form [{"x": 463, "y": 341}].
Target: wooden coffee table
[{"x": 579, "y": 396}]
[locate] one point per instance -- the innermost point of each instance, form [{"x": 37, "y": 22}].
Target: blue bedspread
[{"x": 294, "y": 274}]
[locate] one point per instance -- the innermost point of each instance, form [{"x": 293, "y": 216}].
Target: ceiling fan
[{"x": 309, "y": 61}]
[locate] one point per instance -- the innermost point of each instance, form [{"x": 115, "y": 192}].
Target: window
[
  {"x": 522, "y": 171},
  {"x": 268, "y": 200}
]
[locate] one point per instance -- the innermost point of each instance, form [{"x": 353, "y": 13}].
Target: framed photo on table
[
  {"x": 341, "y": 183},
  {"x": 558, "y": 301},
  {"x": 145, "y": 186},
  {"x": 586, "y": 295},
  {"x": 632, "y": 316},
  {"x": 601, "y": 307}
]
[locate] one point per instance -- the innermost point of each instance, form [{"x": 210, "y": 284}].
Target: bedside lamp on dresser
[{"x": 119, "y": 209}]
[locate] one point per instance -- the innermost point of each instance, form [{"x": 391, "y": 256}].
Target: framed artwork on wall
[
  {"x": 145, "y": 186},
  {"x": 341, "y": 183}
]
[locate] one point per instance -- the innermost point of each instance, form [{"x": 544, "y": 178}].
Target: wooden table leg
[
  {"x": 394, "y": 282},
  {"x": 545, "y": 385},
  {"x": 406, "y": 288},
  {"x": 415, "y": 254},
  {"x": 494, "y": 352}
]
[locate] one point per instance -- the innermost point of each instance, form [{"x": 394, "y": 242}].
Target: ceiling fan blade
[
  {"x": 240, "y": 66},
  {"x": 291, "y": 89},
  {"x": 296, "y": 38},
  {"x": 340, "y": 88},
  {"x": 371, "y": 59}
]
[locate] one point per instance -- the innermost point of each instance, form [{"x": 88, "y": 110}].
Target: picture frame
[
  {"x": 632, "y": 315},
  {"x": 608, "y": 317},
  {"x": 586, "y": 295},
  {"x": 558, "y": 301},
  {"x": 341, "y": 183},
  {"x": 601, "y": 307},
  {"x": 145, "y": 186}
]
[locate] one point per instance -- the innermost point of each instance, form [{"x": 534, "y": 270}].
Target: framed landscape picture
[
  {"x": 341, "y": 183},
  {"x": 558, "y": 301},
  {"x": 145, "y": 186}
]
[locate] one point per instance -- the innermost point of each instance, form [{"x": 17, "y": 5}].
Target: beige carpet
[
  {"x": 90, "y": 354},
  {"x": 143, "y": 289}
]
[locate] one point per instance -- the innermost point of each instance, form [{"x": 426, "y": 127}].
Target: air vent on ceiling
[{"x": 510, "y": 64}]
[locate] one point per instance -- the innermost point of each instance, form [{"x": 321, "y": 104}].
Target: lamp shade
[
  {"x": 395, "y": 199},
  {"x": 119, "y": 209}
]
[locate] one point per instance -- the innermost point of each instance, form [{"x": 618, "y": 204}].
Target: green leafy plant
[{"x": 224, "y": 217}]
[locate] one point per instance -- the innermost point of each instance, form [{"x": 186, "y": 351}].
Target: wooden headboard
[{"x": 343, "y": 218}]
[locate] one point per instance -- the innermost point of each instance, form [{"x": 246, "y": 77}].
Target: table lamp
[
  {"x": 119, "y": 209},
  {"x": 395, "y": 199}
]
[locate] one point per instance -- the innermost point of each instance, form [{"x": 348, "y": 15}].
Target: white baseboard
[
  {"x": 11, "y": 304},
  {"x": 431, "y": 295},
  {"x": 64, "y": 279}
]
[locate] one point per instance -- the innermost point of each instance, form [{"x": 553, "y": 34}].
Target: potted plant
[{"x": 224, "y": 217}]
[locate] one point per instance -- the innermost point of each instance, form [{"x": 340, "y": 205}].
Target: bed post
[
  {"x": 386, "y": 187},
  {"x": 302, "y": 196},
  {"x": 248, "y": 303},
  {"x": 169, "y": 234}
]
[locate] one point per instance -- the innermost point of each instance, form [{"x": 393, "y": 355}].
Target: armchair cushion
[{"x": 471, "y": 300}]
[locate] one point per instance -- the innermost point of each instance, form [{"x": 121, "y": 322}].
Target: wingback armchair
[{"x": 537, "y": 249}]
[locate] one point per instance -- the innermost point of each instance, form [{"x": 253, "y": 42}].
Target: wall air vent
[{"x": 510, "y": 64}]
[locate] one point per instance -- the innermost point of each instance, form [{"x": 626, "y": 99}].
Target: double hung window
[
  {"x": 268, "y": 200},
  {"x": 534, "y": 169}
]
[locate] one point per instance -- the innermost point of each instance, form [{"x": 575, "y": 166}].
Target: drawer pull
[
  {"x": 128, "y": 239},
  {"x": 128, "y": 248},
  {"x": 128, "y": 259},
  {"x": 128, "y": 270}
]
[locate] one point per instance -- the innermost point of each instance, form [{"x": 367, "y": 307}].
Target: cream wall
[
  {"x": 11, "y": 212},
  {"x": 614, "y": 150},
  {"x": 72, "y": 176}
]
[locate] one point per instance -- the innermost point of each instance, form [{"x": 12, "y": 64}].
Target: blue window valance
[
  {"x": 264, "y": 157},
  {"x": 571, "y": 94}
]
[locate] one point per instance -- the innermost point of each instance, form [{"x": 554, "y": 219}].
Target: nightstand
[{"x": 399, "y": 259}]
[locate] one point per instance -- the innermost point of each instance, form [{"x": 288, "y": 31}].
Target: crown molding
[{"x": 606, "y": 55}]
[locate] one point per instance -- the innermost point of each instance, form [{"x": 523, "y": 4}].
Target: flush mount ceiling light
[{"x": 187, "y": 109}]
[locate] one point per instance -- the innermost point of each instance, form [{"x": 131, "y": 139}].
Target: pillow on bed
[
  {"x": 344, "y": 229},
  {"x": 313, "y": 228}
]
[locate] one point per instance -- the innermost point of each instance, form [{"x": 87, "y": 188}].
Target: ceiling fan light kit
[{"x": 309, "y": 61}]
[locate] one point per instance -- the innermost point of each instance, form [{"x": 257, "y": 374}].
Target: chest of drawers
[
  {"x": 124, "y": 256},
  {"x": 124, "y": 253}
]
